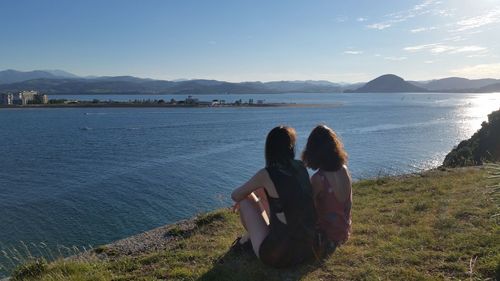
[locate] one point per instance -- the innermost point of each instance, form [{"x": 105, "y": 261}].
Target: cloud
[
  {"x": 350, "y": 52},
  {"x": 454, "y": 38},
  {"x": 396, "y": 58},
  {"x": 419, "y": 47},
  {"x": 478, "y": 21},
  {"x": 379, "y": 26},
  {"x": 421, "y": 29},
  {"x": 439, "y": 48},
  {"x": 424, "y": 7},
  {"x": 429, "y": 61},
  {"x": 361, "y": 19},
  {"x": 469, "y": 49},
  {"x": 491, "y": 70}
]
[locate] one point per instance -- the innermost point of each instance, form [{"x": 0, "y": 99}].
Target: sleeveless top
[
  {"x": 334, "y": 217},
  {"x": 292, "y": 242}
]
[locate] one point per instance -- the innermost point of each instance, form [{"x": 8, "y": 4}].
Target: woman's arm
[{"x": 252, "y": 184}]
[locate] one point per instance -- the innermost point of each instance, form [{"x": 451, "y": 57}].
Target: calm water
[{"x": 89, "y": 176}]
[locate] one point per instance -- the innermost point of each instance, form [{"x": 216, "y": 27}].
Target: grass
[{"x": 441, "y": 224}]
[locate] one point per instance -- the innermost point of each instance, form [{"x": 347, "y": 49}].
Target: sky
[{"x": 231, "y": 40}]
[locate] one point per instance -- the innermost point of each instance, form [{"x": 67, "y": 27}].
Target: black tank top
[{"x": 290, "y": 243}]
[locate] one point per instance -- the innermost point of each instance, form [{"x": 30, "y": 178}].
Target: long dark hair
[
  {"x": 324, "y": 150},
  {"x": 280, "y": 146}
]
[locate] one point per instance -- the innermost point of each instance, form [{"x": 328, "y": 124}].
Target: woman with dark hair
[
  {"x": 331, "y": 185},
  {"x": 276, "y": 206}
]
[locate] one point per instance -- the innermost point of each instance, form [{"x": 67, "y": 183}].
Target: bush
[
  {"x": 30, "y": 269},
  {"x": 483, "y": 146}
]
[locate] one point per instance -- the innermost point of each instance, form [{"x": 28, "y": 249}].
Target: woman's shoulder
[{"x": 345, "y": 172}]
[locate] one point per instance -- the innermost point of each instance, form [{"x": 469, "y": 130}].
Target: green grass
[{"x": 441, "y": 224}]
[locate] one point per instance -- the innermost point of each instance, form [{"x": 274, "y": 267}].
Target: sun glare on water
[{"x": 477, "y": 110}]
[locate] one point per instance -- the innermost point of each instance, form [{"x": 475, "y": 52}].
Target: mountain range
[{"x": 62, "y": 82}]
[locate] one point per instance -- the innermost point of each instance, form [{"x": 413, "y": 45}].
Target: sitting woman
[
  {"x": 331, "y": 187},
  {"x": 276, "y": 206}
]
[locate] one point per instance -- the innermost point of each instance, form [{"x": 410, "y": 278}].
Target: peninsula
[{"x": 33, "y": 99}]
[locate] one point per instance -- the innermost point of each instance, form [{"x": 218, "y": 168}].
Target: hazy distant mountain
[
  {"x": 133, "y": 85},
  {"x": 350, "y": 87},
  {"x": 388, "y": 83},
  {"x": 456, "y": 83},
  {"x": 120, "y": 79},
  {"x": 61, "y": 73},
  {"x": 12, "y": 76},
  {"x": 490, "y": 88},
  {"x": 62, "y": 82},
  {"x": 303, "y": 86}
]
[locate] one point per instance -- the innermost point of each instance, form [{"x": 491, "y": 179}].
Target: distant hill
[
  {"x": 61, "y": 73},
  {"x": 490, "y": 88},
  {"x": 134, "y": 85},
  {"x": 455, "y": 84},
  {"x": 300, "y": 86},
  {"x": 483, "y": 146},
  {"x": 388, "y": 83},
  {"x": 62, "y": 82},
  {"x": 13, "y": 76}
]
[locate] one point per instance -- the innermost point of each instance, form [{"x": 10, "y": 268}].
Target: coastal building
[
  {"x": 6, "y": 99},
  {"x": 29, "y": 97},
  {"x": 191, "y": 100},
  {"x": 41, "y": 99}
]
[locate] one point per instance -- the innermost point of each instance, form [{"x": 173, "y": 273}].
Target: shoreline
[{"x": 156, "y": 105}]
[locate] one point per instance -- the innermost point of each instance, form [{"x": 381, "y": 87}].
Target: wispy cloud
[
  {"x": 429, "y": 61},
  {"x": 361, "y": 19},
  {"x": 454, "y": 38},
  {"x": 422, "y": 8},
  {"x": 439, "y": 48},
  {"x": 491, "y": 70},
  {"x": 396, "y": 58},
  {"x": 419, "y": 47},
  {"x": 422, "y": 29},
  {"x": 351, "y": 52},
  {"x": 489, "y": 17},
  {"x": 379, "y": 26}
]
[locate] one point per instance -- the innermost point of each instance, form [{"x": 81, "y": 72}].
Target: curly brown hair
[{"x": 324, "y": 150}]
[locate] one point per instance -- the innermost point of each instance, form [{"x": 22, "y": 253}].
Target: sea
[{"x": 82, "y": 177}]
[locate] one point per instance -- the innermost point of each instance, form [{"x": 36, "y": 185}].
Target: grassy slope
[{"x": 422, "y": 227}]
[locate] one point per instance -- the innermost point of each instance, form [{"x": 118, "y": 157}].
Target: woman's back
[
  {"x": 333, "y": 200},
  {"x": 291, "y": 242},
  {"x": 295, "y": 193}
]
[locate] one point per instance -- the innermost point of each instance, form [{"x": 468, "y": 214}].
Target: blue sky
[{"x": 232, "y": 40}]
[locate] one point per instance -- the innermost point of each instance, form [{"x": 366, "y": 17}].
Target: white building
[
  {"x": 29, "y": 97},
  {"x": 6, "y": 99}
]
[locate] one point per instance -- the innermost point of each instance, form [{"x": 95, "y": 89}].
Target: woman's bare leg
[{"x": 254, "y": 222}]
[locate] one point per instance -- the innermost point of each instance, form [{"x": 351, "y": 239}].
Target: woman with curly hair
[{"x": 331, "y": 186}]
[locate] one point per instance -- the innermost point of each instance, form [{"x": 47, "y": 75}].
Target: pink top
[{"x": 334, "y": 217}]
